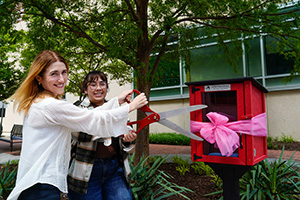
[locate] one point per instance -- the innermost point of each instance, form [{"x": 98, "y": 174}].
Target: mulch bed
[{"x": 200, "y": 184}]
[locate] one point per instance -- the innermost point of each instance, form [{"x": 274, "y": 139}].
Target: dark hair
[{"x": 91, "y": 77}]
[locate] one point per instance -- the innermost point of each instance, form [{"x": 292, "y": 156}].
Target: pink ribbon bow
[{"x": 224, "y": 133}]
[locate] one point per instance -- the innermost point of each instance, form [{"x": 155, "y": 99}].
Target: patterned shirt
[{"x": 83, "y": 156}]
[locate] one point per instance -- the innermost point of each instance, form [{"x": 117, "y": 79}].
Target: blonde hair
[{"x": 30, "y": 88}]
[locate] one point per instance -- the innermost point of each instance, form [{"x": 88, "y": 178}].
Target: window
[
  {"x": 167, "y": 74},
  {"x": 167, "y": 81},
  {"x": 253, "y": 58},
  {"x": 208, "y": 63},
  {"x": 276, "y": 63}
]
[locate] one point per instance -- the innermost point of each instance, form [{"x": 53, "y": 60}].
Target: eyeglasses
[{"x": 93, "y": 85}]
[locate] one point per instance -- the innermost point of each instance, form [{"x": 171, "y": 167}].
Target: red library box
[{"x": 238, "y": 99}]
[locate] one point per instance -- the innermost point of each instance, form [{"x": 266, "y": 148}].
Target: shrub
[
  {"x": 270, "y": 144},
  {"x": 182, "y": 169},
  {"x": 199, "y": 168},
  {"x": 276, "y": 180},
  {"x": 8, "y": 174},
  {"x": 180, "y": 161},
  {"x": 147, "y": 182},
  {"x": 183, "y": 165},
  {"x": 152, "y": 159},
  {"x": 169, "y": 138},
  {"x": 287, "y": 139},
  {"x": 217, "y": 180}
]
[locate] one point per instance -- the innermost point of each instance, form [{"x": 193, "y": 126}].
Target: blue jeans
[
  {"x": 107, "y": 182},
  {"x": 41, "y": 192}
]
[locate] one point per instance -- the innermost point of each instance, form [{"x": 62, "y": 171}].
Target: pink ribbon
[{"x": 224, "y": 133}]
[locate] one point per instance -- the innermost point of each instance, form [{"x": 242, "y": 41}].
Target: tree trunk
[
  {"x": 142, "y": 74},
  {"x": 142, "y": 142}
]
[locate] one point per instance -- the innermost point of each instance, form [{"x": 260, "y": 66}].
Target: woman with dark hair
[
  {"x": 99, "y": 168},
  {"x": 48, "y": 121}
]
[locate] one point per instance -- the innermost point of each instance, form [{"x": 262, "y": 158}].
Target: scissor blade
[
  {"x": 179, "y": 111},
  {"x": 178, "y": 129}
]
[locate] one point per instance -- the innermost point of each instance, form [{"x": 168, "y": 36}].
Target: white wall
[
  {"x": 11, "y": 118},
  {"x": 181, "y": 120},
  {"x": 283, "y": 112}
]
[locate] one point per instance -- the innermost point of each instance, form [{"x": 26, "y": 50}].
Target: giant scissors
[{"x": 161, "y": 118}]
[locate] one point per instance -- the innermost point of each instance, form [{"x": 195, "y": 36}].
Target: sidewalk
[
  {"x": 6, "y": 154},
  {"x": 154, "y": 149}
]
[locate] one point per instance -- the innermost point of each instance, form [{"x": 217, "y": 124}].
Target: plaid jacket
[{"x": 83, "y": 157}]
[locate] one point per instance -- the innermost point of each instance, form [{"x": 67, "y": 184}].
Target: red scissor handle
[{"x": 154, "y": 117}]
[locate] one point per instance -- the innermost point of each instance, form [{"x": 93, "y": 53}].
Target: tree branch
[
  {"x": 131, "y": 10},
  {"x": 159, "y": 56},
  {"x": 82, "y": 33},
  {"x": 153, "y": 39}
]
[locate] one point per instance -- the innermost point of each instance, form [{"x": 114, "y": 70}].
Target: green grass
[{"x": 169, "y": 138}]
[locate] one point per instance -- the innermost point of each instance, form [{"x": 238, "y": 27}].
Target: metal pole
[
  {"x": 2, "y": 112},
  {"x": 230, "y": 175}
]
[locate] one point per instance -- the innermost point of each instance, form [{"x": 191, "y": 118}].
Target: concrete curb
[{"x": 5, "y": 157}]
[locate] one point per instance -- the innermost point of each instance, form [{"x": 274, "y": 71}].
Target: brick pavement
[{"x": 5, "y": 148}]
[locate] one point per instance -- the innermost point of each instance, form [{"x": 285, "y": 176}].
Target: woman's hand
[
  {"x": 138, "y": 102},
  {"x": 125, "y": 96},
  {"x": 130, "y": 136}
]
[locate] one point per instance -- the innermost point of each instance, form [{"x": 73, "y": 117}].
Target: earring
[{"x": 39, "y": 83}]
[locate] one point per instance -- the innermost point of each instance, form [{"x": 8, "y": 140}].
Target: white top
[{"x": 46, "y": 144}]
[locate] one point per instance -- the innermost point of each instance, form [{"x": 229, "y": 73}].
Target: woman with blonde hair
[{"x": 48, "y": 122}]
